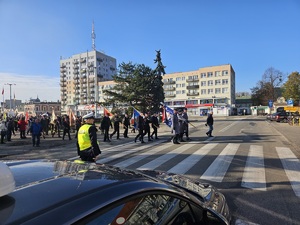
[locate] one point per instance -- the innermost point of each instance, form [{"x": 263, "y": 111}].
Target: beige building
[
  {"x": 203, "y": 90},
  {"x": 80, "y": 75},
  {"x": 207, "y": 89}
]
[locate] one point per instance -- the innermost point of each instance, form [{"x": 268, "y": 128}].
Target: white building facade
[{"x": 80, "y": 76}]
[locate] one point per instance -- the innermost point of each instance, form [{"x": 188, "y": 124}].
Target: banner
[
  {"x": 134, "y": 118},
  {"x": 168, "y": 115},
  {"x": 106, "y": 112}
]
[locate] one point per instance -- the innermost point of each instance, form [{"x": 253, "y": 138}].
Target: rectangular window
[
  {"x": 224, "y": 81},
  {"x": 210, "y": 83},
  {"x": 217, "y": 90},
  {"x": 224, "y": 72},
  {"x": 203, "y": 75},
  {"x": 210, "y": 91},
  {"x": 210, "y": 74},
  {"x": 203, "y": 83},
  {"x": 183, "y": 85},
  {"x": 183, "y": 92},
  {"x": 178, "y": 78},
  {"x": 225, "y": 90},
  {"x": 203, "y": 91},
  {"x": 217, "y": 73},
  {"x": 217, "y": 82}
]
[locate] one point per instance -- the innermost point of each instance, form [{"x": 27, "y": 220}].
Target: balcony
[
  {"x": 90, "y": 64},
  {"x": 63, "y": 75},
  {"x": 63, "y": 85},
  {"x": 170, "y": 89},
  {"x": 75, "y": 62},
  {"x": 99, "y": 59},
  {"x": 169, "y": 82},
  {"x": 112, "y": 68},
  {"x": 99, "y": 75},
  {"x": 63, "y": 70},
  {"x": 63, "y": 66},
  {"x": 83, "y": 70},
  {"x": 76, "y": 72},
  {"x": 76, "y": 82},
  {"x": 75, "y": 67},
  {"x": 192, "y": 87},
  {"x": 82, "y": 60},
  {"x": 192, "y": 80},
  {"x": 91, "y": 80},
  {"x": 193, "y": 94},
  {"x": 170, "y": 95},
  {"x": 83, "y": 76}
]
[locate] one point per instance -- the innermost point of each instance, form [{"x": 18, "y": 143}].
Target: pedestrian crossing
[{"x": 190, "y": 156}]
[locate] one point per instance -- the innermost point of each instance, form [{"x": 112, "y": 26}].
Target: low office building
[{"x": 207, "y": 89}]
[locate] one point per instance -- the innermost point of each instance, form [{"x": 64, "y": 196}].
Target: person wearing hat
[{"x": 87, "y": 144}]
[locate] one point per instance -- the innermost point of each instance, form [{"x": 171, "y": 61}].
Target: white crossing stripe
[
  {"x": 216, "y": 171},
  {"x": 254, "y": 173},
  {"x": 291, "y": 166},
  {"x": 141, "y": 156},
  {"x": 189, "y": 162},
  {"x": 162, "y": 159},
  {"x": 123, "y": 153}
]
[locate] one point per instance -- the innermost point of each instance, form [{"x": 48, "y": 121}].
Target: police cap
[{"x": 88, "y": 116}]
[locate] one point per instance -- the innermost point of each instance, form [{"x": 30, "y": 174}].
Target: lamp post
[{"x": 10, "y": 95}]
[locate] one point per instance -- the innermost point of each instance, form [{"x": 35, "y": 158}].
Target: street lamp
[{"x": 10, "y": 95}]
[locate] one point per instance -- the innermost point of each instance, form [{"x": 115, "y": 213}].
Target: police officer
[{"x": 87, "y": 145}]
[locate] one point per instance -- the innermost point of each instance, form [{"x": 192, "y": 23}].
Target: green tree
[
  {"x": 291, "y": 88},
  {"x": 134, "y": 85}
]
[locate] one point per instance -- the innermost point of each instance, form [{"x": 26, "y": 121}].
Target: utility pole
[{"x": 10, "y": 95}]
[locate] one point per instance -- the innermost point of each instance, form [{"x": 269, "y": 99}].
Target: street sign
[
  {"x": 270, "y": 103},
  {"x": 290, "y": 102}
]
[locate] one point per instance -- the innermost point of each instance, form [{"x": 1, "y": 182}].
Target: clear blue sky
[{"x": 251, "y": 35}]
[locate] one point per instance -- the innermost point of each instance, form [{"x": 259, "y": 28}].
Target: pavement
[{"x": 20, "y": 146}]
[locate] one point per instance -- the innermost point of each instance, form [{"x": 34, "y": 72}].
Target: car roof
[{"x": 44, "y": 187}]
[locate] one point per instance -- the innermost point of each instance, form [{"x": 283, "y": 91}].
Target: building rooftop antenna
[{"x": 93, "y": 37}]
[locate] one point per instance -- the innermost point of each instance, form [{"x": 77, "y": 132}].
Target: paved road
[{"x": 221, "y": 161}]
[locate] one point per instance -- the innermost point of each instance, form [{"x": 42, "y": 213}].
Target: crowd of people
[{"x": 35, "y": 126}]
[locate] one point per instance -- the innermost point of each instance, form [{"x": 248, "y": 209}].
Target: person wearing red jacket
[{"x": 22, "y": 127}]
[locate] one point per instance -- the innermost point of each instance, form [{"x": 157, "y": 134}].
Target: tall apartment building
[
  {"x": 207, "y": 89},
  {"x": 80, "y": 75}
]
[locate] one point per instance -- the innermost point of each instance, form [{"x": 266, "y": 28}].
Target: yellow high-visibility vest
[{"x": 83, "y": 138}]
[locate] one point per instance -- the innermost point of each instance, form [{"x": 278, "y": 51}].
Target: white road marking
[
  {"x": 141, "y": 156},
  {"x": 190, "y": 161},
  {"x": 291, "y": 165},
  {"x": 216, "y": 171},
  {"x": 164, "y": 158},
  {"x": 123, "y": 153},
  {"x": 254, "y": 173}
]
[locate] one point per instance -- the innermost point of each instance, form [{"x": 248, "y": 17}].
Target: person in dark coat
[
  {"x": 147, "y": 126},
  {"x": 155, "y": 125},
  {"x": 140, "y": 127},
  {"x": 10, "y": 129},
  {"x": 186, "y": 124},
  {"x": 105, "y": 125},
  {"x": 117, "y": 122},
  {"x": 176, "y": 127},
  {"x": 66, "y": 125},
  {"x": 210, "y": 123},
  {"x": 126, "y": 125}
]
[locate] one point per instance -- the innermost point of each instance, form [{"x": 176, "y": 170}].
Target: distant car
[
  {"x": 281, "y": 117},
  {"x": 65, "y": 192},
  {"x": 269, "y": 116}
]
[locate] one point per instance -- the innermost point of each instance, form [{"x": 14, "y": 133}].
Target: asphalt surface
[{"x": 20, "y": 146}]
